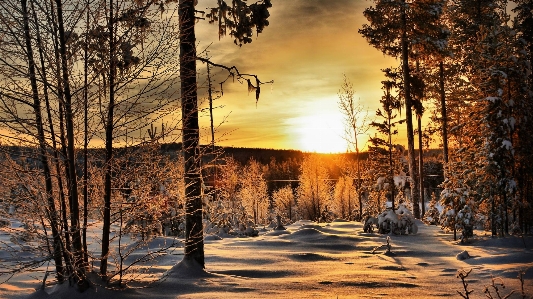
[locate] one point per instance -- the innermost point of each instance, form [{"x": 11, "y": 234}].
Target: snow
[
  {"x": 507, "y": 144},
  {"x": 313, "y": 260}
]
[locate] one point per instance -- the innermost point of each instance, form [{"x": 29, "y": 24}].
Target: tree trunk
[
  {"x": 56, "y": 161},
  {"x": 409, "y": 116},
  {"x": 391, "y": 168},
  {"x": 85, "y": 141},
  {"x": 443, "y": 113},
  {"x": 421, "y": 164},
  {"x": 51, "y": 209},
  {"x": 194, "y": 242},
  {"x": 106, "y": 229},
  {"x": 358, "y": 186},
  {"x": 71, "y": 159}
]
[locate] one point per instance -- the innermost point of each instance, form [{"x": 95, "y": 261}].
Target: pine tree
[
  {"x": 387, "y": 127},
  {"x": 395, "y": 28},
  {"x": 523, "y": 25}
]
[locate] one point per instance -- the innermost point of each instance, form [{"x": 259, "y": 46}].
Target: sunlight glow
[{"x": 320, "y": 132}]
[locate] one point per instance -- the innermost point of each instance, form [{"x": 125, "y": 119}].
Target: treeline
[{"x": 468, "y": 64}]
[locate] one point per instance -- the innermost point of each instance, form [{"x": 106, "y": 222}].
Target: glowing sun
[{"x": 320, "y": 132}]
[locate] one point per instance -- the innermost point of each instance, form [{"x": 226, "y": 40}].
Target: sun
[{"x": 320, "y": 132}]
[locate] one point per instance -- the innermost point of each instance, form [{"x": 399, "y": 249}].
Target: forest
[{"x": 101, "y": 155}]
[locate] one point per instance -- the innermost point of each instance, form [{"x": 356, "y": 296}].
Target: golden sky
[{"x": 307, "y": 48}]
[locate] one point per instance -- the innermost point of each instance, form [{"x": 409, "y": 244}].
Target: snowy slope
[{"x": 312, "y": 260}]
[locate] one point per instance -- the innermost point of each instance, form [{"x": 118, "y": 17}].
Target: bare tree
[{"x": 356, "y": 123}]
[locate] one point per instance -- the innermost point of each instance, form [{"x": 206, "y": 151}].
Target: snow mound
[
  {"x": 278, "y": 233},
  {"x": 212, "y": 238},
  {"x": 187, "y": 268},
  {"x": 310, "y": 257},
  {"x": 67, "y": 291},
  {"x": 313, "y": 226},
  {"x": 305, "y": 233},
  {"x": 463, "y": 256}
]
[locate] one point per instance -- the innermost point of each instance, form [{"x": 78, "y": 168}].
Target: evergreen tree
[
  {"x": 387, "y": 127},
  {"x": 523, "y": 25},
  {"x": 395, "y": 28}
]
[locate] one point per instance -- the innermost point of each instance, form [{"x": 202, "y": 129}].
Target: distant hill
[
  {"x": 241, "y": 154},
  {"x": 261, "y": 155}
]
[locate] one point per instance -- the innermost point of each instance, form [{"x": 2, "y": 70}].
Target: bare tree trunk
[
  {"x": 359, "y": 195},
  {"x": 210, "y": 96},
  {"x": 421, "y": 164},
  {"x": 85, "y": 141},
  {"x": 71, "y": 159},
  {"x": 108, "y": 145},
  {"x": 409, "y": 116},
  {"x": 443, "y": 112},
  {"x": 51, "y": 211},
  {"x": 194, "y": 243},
  {"x": 391, "y": 168},
  {"x": 56, "y": 161}
]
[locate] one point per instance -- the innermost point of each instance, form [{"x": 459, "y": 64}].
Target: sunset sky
[{"x": 307, "y": 48}]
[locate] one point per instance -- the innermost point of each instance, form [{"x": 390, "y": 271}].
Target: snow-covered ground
[{"x": 310, "y": 260}]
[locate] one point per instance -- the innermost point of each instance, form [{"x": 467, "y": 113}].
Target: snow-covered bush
[
  {"x": 399, "y": 222},
  {"x": 375, "y": 203},
  {"x": 432, "y": 214},
  {"x": 465, "y": 221},
  {"x": 223, "y": 222}
]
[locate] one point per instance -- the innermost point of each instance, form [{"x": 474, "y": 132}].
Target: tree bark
[
  {"x": 63, "y": 221},
  {"x": 444, "y": 115},
  {"x": 194, "y": 243},
  {"x": 391, "y": 167},
  {"x": 421, "y": 164},
  {"x": 85, "y": 141},
  {"x": 71, "y": 159},
  {"x": 51, "y": 209},
  {"x": 409, "y": 116},
  {"x": 106, "y": 229}
]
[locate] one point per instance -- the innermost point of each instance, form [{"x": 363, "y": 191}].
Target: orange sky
[{"x": 306, "y": 49}]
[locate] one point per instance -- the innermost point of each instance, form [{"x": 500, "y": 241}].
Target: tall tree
[
  {"x": 387, "y": 126},
  {"x": 523, "y": 24},
  {"x": 75, "y": 227},
  {"x": 51, "y": 209},
  {"x": 356, "y": 123},
  {"x": 239, "y": 19},
  {"x": 395, "y": 26}
]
